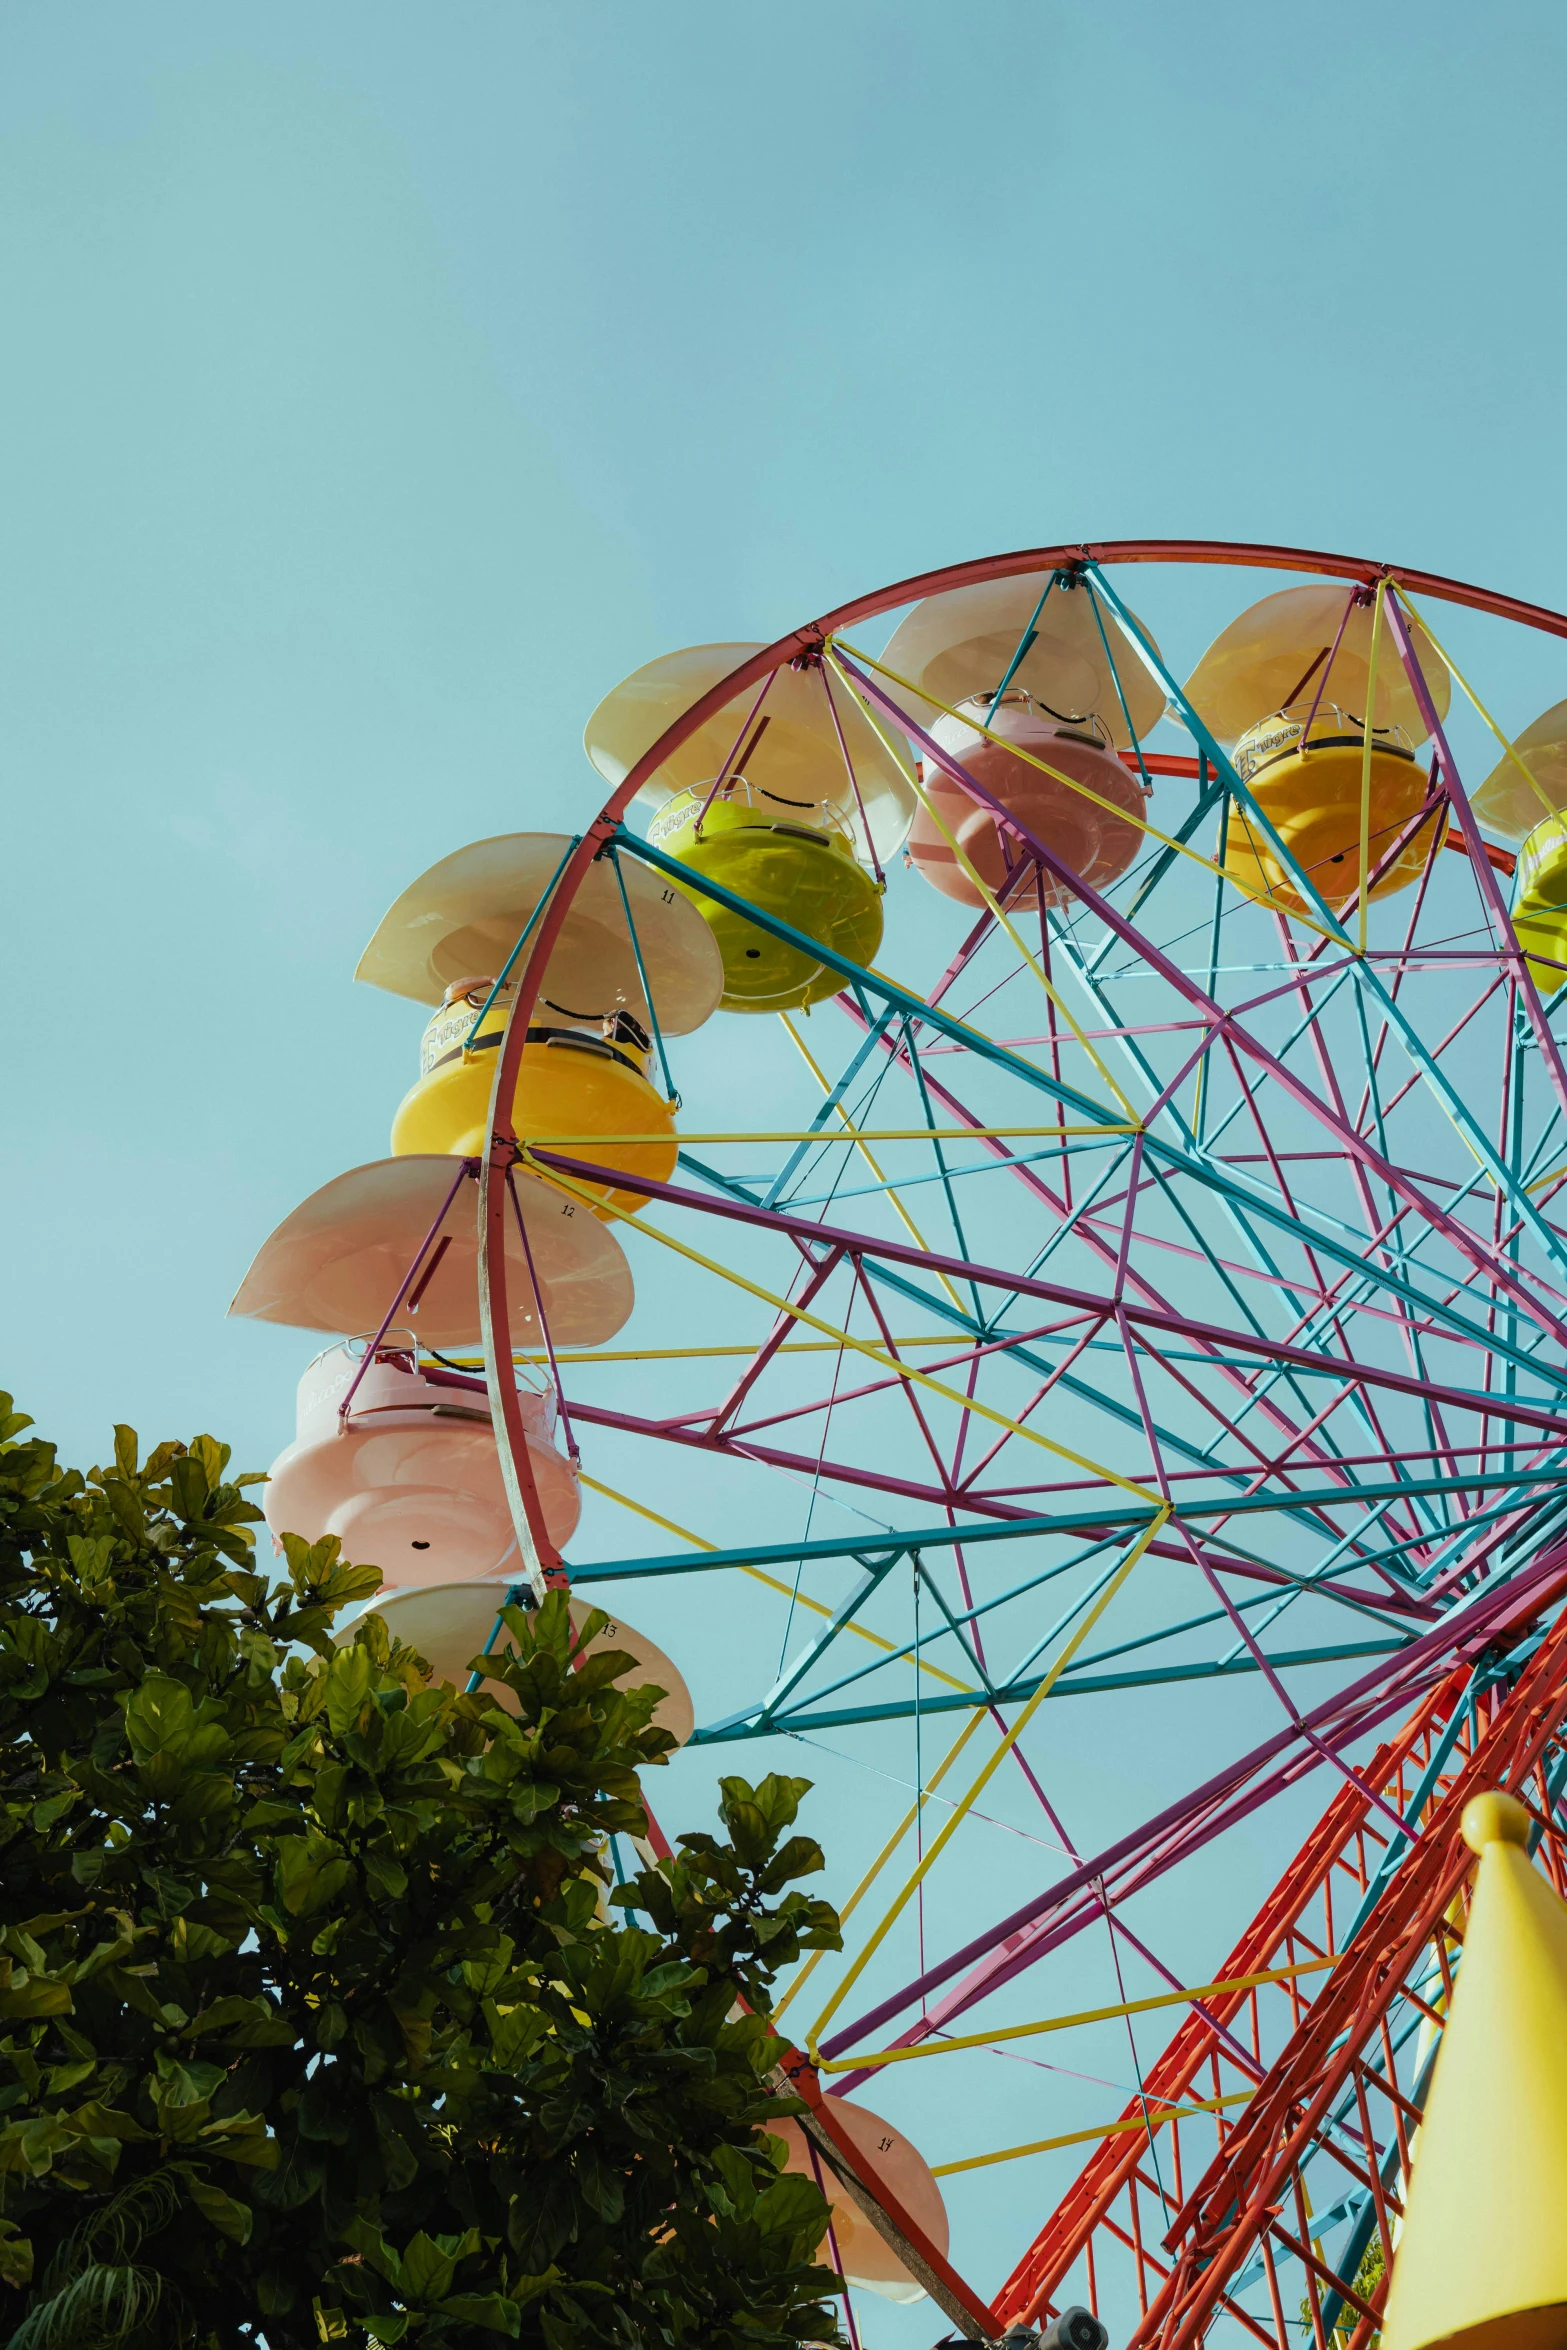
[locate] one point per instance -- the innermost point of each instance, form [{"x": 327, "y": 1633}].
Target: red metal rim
[
  {"x": 807, "y": 639},
  {"x": 1025, "y": 2290}
]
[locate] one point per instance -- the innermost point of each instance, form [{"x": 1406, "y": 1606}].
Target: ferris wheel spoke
[
  {"x": 976, "y": 1499},
  {"x": 568, "y": 1172},
  {"x": 1241, "y": 1200},
  {"x": 1277, "y": 1069}
]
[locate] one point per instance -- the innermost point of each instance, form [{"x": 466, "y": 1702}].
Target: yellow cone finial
[
  {"x": 1482, "y": 2259},
  {"x": 1494, "y": 1818}
]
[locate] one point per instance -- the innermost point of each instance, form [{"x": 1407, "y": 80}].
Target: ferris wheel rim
[
  {"x": 1237, "y": 554},
  {"x": 809, "y": 641}
]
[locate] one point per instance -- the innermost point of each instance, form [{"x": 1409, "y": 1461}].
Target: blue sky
[{"x": 383, "y": 382}]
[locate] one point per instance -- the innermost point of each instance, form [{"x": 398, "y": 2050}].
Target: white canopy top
[
  {"x": 462, "y": 919},
  {"x": 962, "y": 643},
  {"x": 1275, "y": 652},
  {"x": 449, "y": 1623},
  {"x": 336, "y": 1262},
  {"x": 790, "y": 748},
  {"x": 1507, "y": 802}
]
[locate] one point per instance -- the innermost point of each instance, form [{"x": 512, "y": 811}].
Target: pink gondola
[
  {"x": 1088, "y": 812},
  {"x": 409, "y": 1479}
]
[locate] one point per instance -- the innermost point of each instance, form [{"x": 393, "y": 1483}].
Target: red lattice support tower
[{"x": 1191, "y": 2251}]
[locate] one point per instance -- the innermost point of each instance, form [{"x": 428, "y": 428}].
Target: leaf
[
  {"x": 224, "y": 2015},
  {"x": 53, "y": 1809},
  {"x": 191, "y": 1487},
  {"x": 387, "y": 1875},
  {"x": 514, "y": 2032},
  {"x": 372, "y": 2247},
  {"x": 107, "y": 2121},
  {"x": 242, "y": 2137},
  {"x": 349, "y": 1680},
  {"x": 490, "y": 2310},
  {"x": 16, "y": 2257},
  {"x": 32, "y": 2145},
  {"x": 310, "y": 1564},
  {"x": 331, "y": 2024},
  {"x": 231, "y": 2219},
  {"x": 295, "y": 2180},
  {"x": 159, "y": 1717},
  {"x": 793, "y": 2205},
  {"x": 736, "y": 2174},
  {"x": 91, "y": 1557},
  {"x": 214, "y": 1458},
  {"x": 185, "y": 2082},
  {"x": 310, "y": 1873},
  {"x": 62, "y": 2077},
  {"x": 322, "y": 2112},
  {"x": 38, "y": 1995},
  {"x": 428, "y": 2267},
  {"x": 173, "y": 1894}
]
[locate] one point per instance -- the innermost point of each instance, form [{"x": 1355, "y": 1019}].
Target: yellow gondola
[
  {"x": 1540, "y": 903},
  {"x": 1305, "y": 770},
  {"x": 811, "y": 795},
  {"x": 791, "y": 858},
  {"x": 630, "y": 950},
  {"x": 581, "y": 1074}
]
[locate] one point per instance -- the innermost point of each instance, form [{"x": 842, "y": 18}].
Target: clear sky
[{"x": 382, "y": 382}]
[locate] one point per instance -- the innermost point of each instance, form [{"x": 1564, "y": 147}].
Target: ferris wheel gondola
[{"x": 397, "y": 1458}]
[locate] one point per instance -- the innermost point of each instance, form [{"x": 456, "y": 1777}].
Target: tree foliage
[{"x": 318, "y": 2023}]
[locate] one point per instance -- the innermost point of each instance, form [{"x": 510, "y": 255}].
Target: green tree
[{"x": 318, "y": 2021}]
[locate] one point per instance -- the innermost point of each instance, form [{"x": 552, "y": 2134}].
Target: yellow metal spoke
[
  {"x": 684, "y": 1354},
  {"x": 1157, "y": 2116},
  {"x": 553, "y": 1141},
  {"x": 1365, "y": 761},
  {"x": 1462, "y": 682},
  {"x": 863, "y": 1346},
  {"x": 848, "y": 1907},
  {"x": 987, "y": 1772},
  {"x": 1088, "y": 2015}
]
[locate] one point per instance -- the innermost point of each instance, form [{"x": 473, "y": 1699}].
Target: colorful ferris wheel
[{"x": 1124, "y": 1194}]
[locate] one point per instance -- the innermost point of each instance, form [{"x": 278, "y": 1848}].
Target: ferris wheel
[{"x": 1160, "y": 1279}]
